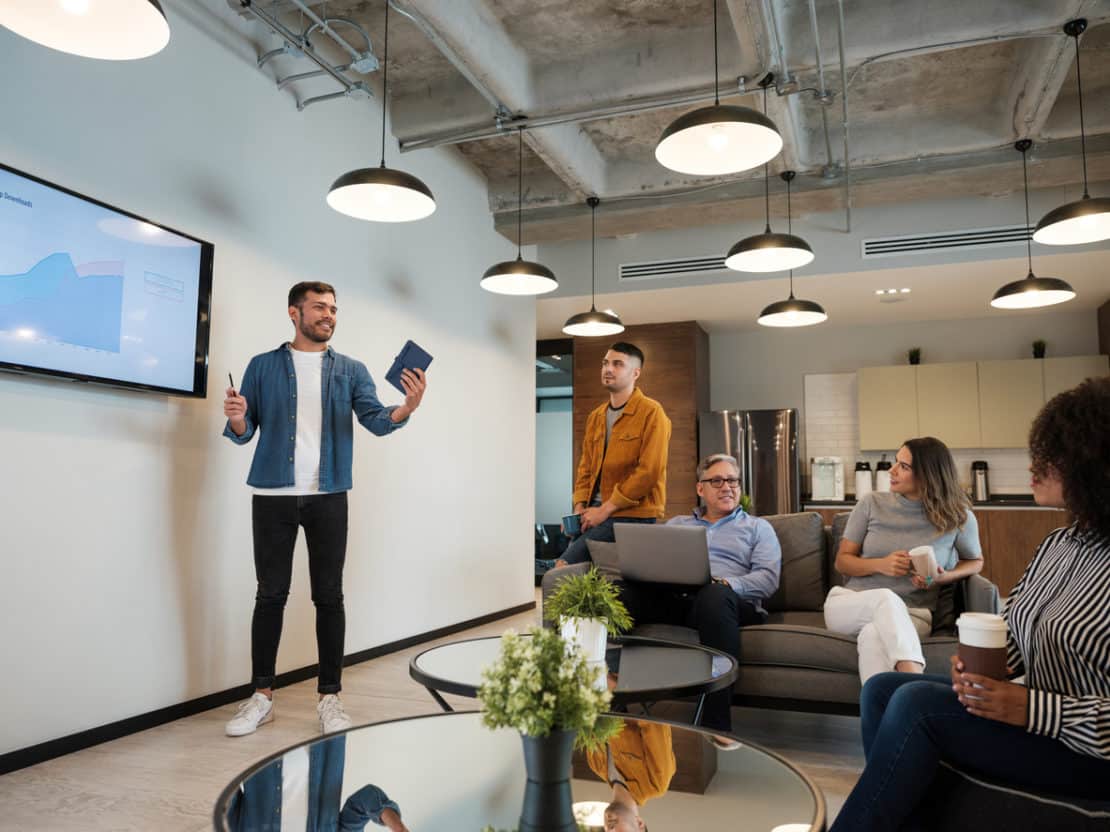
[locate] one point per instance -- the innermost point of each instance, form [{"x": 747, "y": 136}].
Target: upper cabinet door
[
  {"x": 948, "y": 403},
  {"x": 887, "y": 407},
  {"x": 1062, "y": 374},
  {"x": 1010, "y": 395}
]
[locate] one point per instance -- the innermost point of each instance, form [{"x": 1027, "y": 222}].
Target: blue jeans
[
  {"x": 910, "y": 723},
  {"x": 578, "y": 553}
]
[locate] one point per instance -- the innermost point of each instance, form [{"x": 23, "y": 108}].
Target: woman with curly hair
[
  {"x": 883, "y": 604},
  {"x": 1051, "y": 731}
]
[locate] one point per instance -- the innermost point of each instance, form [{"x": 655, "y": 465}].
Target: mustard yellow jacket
[
  {"x": 643, "y": 755},
  {"x": 634, "y": 468}
]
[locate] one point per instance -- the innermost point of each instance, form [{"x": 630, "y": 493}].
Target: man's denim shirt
[{"x": 270, "y": 388}]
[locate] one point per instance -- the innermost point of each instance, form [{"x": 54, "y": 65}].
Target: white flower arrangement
[{"x": 537, "y": 686}]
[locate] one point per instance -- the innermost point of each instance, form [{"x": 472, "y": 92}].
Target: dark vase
[{"x": 547, "y": 798}]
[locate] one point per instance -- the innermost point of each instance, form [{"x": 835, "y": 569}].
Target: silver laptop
[{"x": 663, "y": 554}]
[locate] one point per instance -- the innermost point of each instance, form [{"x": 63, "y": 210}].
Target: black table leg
[
  {"x": 440, "y": 700},
  {"x": 700, "y": 708}
]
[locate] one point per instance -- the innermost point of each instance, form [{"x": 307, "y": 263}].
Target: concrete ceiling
[{"x": 937, "y": 90}]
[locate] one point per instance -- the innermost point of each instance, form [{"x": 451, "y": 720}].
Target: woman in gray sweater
[{"x": 883, "y": 603}]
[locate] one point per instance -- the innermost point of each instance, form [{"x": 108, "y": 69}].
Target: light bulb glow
[{"x": 120, "y": 30}]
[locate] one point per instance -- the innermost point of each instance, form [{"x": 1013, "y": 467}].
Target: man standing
[
  {"x": 745, "y": 560},
  {"x": 622, "y": 473},
  {"x": 301, "y": 397}
]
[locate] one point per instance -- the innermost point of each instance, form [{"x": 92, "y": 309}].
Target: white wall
[
  {"x": 764, "y": 368},
  {"x": 127, "y": 579},
  {"x": 554, "y": 465}
]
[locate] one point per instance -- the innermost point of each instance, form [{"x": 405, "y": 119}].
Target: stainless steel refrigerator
[{"x": 765, "y": 443}]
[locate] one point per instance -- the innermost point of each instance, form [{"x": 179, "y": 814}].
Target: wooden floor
[{"x": 168, "y": 778}]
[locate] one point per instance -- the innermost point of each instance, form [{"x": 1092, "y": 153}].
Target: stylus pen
[{"x": 231, "y": 381}]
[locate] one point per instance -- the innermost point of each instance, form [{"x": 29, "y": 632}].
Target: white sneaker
[
  {"x": 332, "y": 716},
  {"x": 258, "y": 710}
]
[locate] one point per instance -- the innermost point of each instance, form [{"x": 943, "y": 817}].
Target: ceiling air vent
[
  {"x": 657, "y": 269},
  {"x": 1006, "y": 235}
]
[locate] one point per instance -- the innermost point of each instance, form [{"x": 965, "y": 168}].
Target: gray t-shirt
[
  {"x": 883, "y": 522},
  {"x": 611, "y": 416}
]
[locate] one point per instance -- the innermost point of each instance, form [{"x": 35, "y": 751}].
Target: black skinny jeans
[
  {"x": 275, "y": 520},
  {"x": 714, "y": 610}
]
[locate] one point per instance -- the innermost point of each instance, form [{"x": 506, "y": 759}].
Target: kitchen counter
[{"x": 997, "y": 501}]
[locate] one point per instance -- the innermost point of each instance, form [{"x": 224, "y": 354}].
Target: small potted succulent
[
  {"x": 588, "y": 609},
  {"x": 914, "y": 355},
  {"x": 1039, "y": 348}
]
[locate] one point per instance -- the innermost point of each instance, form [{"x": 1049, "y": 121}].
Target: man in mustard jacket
[{"x": 622, "y": 474}]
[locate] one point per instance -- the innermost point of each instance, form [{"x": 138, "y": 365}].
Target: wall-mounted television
[{"x": 92, "y": 293}]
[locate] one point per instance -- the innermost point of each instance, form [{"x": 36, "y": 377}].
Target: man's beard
[{"x": 311, "y": 334}]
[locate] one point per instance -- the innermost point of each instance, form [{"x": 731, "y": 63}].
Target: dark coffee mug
[{"x": 572, "y": 525}]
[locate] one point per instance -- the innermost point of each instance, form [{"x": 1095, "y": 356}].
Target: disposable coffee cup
[
  {"x": 983, "y": 644},
  {"x": 572, "y": 525},
  {"x": 924, "y": 561}
]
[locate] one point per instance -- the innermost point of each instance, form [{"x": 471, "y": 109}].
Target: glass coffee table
[
  {"x": 448, "y": 773},
  {"x": 647, "y": 670}
]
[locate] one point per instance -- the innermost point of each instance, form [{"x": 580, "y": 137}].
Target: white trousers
[{"x": 886, "y": 631}]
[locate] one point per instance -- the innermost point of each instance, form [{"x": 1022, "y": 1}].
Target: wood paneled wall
[{"x": 676, "y": 374}]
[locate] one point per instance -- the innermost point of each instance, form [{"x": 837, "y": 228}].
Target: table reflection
[{"x": 447, "y": 773}]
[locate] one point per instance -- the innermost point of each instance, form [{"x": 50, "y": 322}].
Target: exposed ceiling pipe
[
  {"x": 292, "y": 37},
  {"x": 844, "y": 119},
  {"x": 823, "y": 96},
  {"x": 505, "y": 122},
  {"x": 334, "y": 35}
]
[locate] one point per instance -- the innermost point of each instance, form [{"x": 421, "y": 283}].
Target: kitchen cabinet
[
  {"x": 887, "y": 406},
  {"x": 1010, "y": 395},
  {"x": 1010, "y": 537},
  {"x": 1062, "y": 374},
  {"x": 948, "y": 403}
]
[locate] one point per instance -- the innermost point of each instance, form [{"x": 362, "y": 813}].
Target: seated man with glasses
[{"x": 745, "y": 560}]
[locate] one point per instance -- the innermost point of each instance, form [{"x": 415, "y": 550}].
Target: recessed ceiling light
[
  {"x": 905, "y": 291},
  {"x": 878, "y": 291}
]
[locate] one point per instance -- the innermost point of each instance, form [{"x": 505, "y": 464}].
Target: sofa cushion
[
  {"x": 604, "y": 556},
  {"x": 803, "y": 584},
  {"x": 799, "y": 646}
]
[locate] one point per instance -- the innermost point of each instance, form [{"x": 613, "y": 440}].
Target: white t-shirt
[
  {"x": 309, "y": 367},
  {"x": 294, "y": 789}
]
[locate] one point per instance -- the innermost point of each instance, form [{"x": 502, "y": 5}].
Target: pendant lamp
[
  {"x": 382, "y": 194},
  {"x": 721, "y": 139},
  {"x": 593, "y": 323},
  {"x": 769, "y": 252},
  {"x": 1086, "y": 220},
  {"x": 792, "y": 311},
  {"x": 111, "y": 30},
  {"x": 1031, "y": 291},
  {"x": 520, "y": 276}
]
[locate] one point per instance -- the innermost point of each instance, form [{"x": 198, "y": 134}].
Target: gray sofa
[{"x": 792, "y": 661}]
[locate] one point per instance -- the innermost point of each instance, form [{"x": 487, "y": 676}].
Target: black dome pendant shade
[
  {"x": 1086, "y": 220},
  {"x": 717, "y": 140},
  {"x": 792, "y": 311},
  {"x": 382, "y": 194},
  {"x": 519, "y": 276},
  {"x": 769, "y": 251},
  {"x": 593, "y": 323},
  {"x": 1031, "y": 291}
]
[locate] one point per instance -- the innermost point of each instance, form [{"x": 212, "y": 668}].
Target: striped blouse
[{"x": 1059, "y": 620}]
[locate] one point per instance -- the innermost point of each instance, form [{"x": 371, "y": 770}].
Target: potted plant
[
  {"x": 914, "y": 355},
  {"x": 551, "y": 696},
  {"x": 588, "y": 607},
  {"x": 1039, "y": 347}
]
